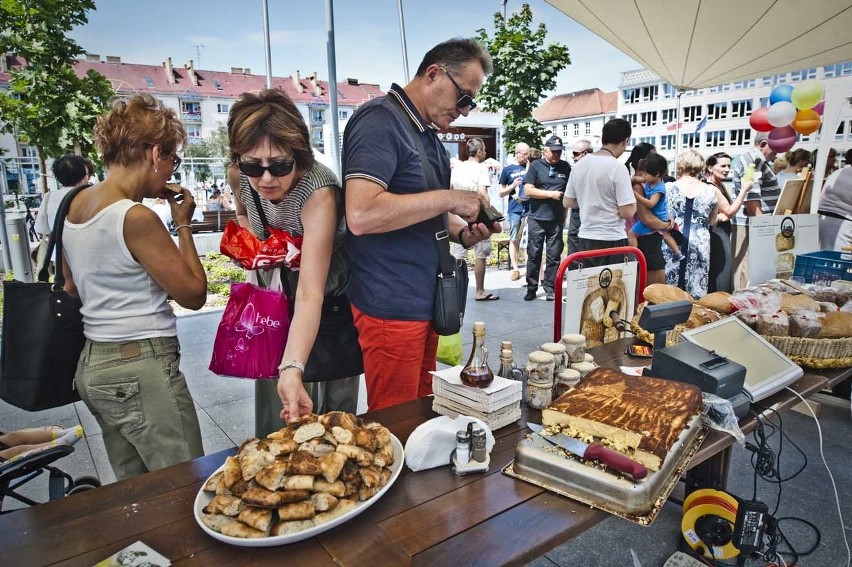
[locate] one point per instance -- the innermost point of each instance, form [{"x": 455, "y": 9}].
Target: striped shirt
[
  {"x": 287, "y": 215},
  {"x": 766, "y": 191}
]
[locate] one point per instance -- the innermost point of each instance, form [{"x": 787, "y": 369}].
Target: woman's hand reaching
[{"x": 294, "y": 398}]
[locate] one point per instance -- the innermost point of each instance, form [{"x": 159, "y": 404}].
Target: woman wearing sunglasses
[
  {"x": 278, "y": 184},
  {"x": 125, "y": 265}
]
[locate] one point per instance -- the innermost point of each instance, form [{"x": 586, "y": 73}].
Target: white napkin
[{"x": 432, "y": 443}]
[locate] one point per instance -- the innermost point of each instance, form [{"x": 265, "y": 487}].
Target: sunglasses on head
[
  {"x": 276, "y": 168},
  {"x": 465, "y": 100}
]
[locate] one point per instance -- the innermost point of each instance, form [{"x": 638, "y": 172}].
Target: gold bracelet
[{"x": 189, "y": 226}]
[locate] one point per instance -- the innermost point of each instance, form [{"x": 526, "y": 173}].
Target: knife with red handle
[{"x": 594, "y": 452}]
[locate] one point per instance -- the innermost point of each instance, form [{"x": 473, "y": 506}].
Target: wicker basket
[
  {"x": 809, "y": 353},
  {"x": 673, "y": 336}
]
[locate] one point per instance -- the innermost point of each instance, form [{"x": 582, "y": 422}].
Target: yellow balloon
[
  {"x": 806, "y": 95},
  {"x": 806, "y": 122}
]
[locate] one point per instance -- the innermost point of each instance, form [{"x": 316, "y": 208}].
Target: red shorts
[{"x": 398, "y": 358}]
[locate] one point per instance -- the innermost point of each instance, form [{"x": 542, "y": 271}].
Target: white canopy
[{"x": 700, "y": 43}]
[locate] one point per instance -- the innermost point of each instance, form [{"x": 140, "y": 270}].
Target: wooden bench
[{"x": 214, "y": 221}]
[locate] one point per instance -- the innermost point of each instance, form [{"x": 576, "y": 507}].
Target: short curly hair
[
  {"x": 690, "y": 163},
  {"x": 269, "y": 114},
  {"x": 135, "y": 124}
]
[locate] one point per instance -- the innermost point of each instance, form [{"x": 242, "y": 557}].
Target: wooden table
[{"x": 431, "y": 517}]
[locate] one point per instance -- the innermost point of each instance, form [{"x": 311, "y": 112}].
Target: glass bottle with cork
[{"x": 476, "y": 372}]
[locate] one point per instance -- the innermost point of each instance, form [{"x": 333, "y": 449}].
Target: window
[
  {"x": 726, "y": 87},
  {"x": 717, "y": 111},
  {"x": 715, "y": 139},
  {"x": 576, "y": 128},
  {"x": 690, "y": 140},
  {"x": 648, "y": 140},
  {"x": 767, "y": 81},
  {"x": 342, "y": 114},
  {"x": 713, "y": 89},
  {"x": 650, "y": 93},
  {"x": 803, "y": 75},
  {"x": 740, "y": 137},
  {"x": 838, "y": 70},
  {"x": 316, "y": 116},
  {"x": 631, "y": 142},
  {"x": 588, "y": 127},
  {"x": 669, "y": 115},
  {"x": 764, "y": 101},
  {"x": 149, "y": 82},
  {"x": 669, "y": 91},
  {"x": 841, "y": 129},
  {"x": 631, "y": 96},
  {"x": 630, "y": 118},
  {"x": 692, "y": 113},
  {"x": 223, "y": 108},
  {"x": 193, "y": 132},
  {"x": 191, "y": 111},
  {"x": 667, "y": 142},
  {"x": 780, "y": 79},
  {"x": 648, "y": 119},
  {"x": 564, "y": 130},
  {"x": 217, "y": 84},
  {"x": 740, "y": 108}
]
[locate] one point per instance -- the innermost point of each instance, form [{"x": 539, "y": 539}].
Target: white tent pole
[
  {"x": 835, "y": 96},
  {"x": 677, "y": 130}
]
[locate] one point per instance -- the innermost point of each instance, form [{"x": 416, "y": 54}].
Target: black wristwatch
[{"x": 461, "y": 242}]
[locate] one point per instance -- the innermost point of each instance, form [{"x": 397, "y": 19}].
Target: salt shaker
[{"x": 462, "y": 447}]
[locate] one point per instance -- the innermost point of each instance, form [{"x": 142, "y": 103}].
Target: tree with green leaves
[
  {"x": 47, "y": 105},
  {"x": 524, "y": 68},
  {"x": 213, "y": 149}
]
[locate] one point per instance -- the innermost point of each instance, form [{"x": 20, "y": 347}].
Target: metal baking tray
[{"x": 540, "y": 463}]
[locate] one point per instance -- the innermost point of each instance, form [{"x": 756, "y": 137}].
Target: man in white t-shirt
[
  {"x": 600, "y": 188},
  {"x": 70, "y": 171},
  {"x": 472, "y": 175}
]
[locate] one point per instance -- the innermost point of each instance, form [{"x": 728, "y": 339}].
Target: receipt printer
[{"x": 688, "y": 362}]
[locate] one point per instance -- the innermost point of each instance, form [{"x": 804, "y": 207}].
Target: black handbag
[
  {"x": 452, "y": 280},
  {"x": 336, "y": 352},
  {"x": 42, "y": 333}
]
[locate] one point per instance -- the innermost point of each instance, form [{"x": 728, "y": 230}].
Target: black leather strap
[
  {"x": 55, "y": 241},
  {"x": 440, "y": 222}
]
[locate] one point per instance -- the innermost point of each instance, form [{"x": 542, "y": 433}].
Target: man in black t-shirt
[{"x": 545, "y": 186}]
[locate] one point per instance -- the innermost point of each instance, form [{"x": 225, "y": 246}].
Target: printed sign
[
  {"x": 596, "y": 298},
  {"x": 774, "y": 242}
]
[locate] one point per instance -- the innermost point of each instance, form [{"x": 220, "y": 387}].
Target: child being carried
[{"x": 653, "y": 197}]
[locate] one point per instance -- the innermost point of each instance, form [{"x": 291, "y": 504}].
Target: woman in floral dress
[{"x": 694, "y": 208}]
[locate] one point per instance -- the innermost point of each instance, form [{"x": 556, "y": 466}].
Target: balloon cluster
[{"x": 791, "y": 111}]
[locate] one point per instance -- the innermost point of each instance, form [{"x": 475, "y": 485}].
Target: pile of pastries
[{"x": 312, "y": 471}]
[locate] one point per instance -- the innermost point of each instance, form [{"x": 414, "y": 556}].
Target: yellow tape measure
[{"x": 708, "y": 523}]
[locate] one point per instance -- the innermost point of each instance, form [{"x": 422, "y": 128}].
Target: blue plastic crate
[{"x": 824, "y": 266}]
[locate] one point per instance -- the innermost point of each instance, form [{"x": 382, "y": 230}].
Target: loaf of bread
[
  {"x": 719, "y": 301},
  {"x": 637, "y": 416},
  {"x": 664, "y": 293},
  {"x": 835, "y": 325},
  {"x": 799, "y": 302}
]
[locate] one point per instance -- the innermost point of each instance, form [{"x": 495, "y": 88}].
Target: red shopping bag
[{"x": 251, "y": 337}]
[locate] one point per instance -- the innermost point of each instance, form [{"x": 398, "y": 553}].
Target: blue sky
[{"x": 367, "y": 36}]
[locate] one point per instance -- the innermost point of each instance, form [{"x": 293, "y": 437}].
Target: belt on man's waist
[{"x": 834, "y": 215}]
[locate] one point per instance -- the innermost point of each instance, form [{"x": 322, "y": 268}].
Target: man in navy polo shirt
[
  {"x": 545, "y": 186},
  {"x": 512, "y": 185},
  {"x": 390, "y": 209}
]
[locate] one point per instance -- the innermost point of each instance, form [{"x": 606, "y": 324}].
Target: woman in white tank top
[{"x": 123, "y": 264}]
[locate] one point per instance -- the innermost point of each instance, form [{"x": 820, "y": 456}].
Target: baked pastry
[
  {"x": 665, "y": 293},
  {"x": 309, "y": 472},
  {"x": 783, "y": 243},
  {"x": 637, "y": 416}
]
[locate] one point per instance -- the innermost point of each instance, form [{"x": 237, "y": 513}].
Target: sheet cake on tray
[{"x": 653, "y": 421}]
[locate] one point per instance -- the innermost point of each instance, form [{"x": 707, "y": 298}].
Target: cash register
[{"x": 689, "y": 362}]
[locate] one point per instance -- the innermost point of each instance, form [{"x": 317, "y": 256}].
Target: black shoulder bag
[
  {"x": 451, "y": 289},
  {"x": 42, "y": 333},
  {"x": 336, "y": 352}
]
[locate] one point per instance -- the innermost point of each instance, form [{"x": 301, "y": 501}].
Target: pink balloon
[
  {"x": 782, "y": 139},
  {"x": 819, "y": 108},
  {"x": 758, "y": 120}
]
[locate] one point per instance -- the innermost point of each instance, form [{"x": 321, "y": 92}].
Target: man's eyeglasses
[
  {"x": 178, "y": 161},
  {"x": 578, "y": 154},
  {"x": 275, "y": 169},
  {"x": 465, "y": 100}
]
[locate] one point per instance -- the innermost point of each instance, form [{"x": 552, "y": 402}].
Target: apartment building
[
  {"x": 578, "y": 115},
  {"x": 715, "y": 119},
  {"x": 201, "y": 98}
]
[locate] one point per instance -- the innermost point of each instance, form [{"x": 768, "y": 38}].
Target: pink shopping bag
[{"x": 252, "y": 334}]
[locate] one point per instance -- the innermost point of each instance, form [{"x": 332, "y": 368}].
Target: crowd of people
[{"x": 369, "y": 260}]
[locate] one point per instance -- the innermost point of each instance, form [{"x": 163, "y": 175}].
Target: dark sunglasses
[
  {"x": 465, "y": 100},
  {"x": 275, "y": 169},
  {"x": 178, "y": 161},
  {"x": 578, "y": 154}
]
